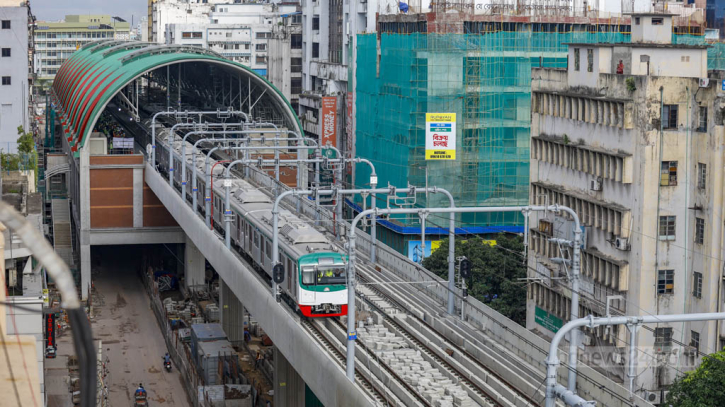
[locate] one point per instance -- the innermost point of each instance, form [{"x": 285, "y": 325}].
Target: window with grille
[
  {"x": 665, "y": 281},
  {"x": 669, "y": 117},
  {"x": 6, "y": 80},
  {"x": 702, "y": 119},
  {"x": 576, "y": 59},
  {"x": 296, "y": 85},
  {"x": 668, "y": 174},
  {"x": 695, "y": 340},
  {"x": 315, "y": 50},
  {"x": 667, "y": 227},
  {"x": 699, "y": 230},
  {"x": 663, "y": 337},
  {"x": 701, "y": 175},
  {"x": 296, "y": 41},
  {"x": 295, "y": 65},
  {"x": 316, "y": 22},
  {"x": 697, "y": 285},
  {"x": 6, "y": 24},
  {"x": 6, "y": 52},
  {"x": 590, "y": 60}
]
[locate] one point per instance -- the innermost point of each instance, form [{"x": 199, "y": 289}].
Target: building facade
[
  {"x": 239, "y": 32},
  {"x": 56, "y": 41},
  {"x": 630, "y": 136},
  {"x": 476, "y": 65},
  {"x": 16, "y": 72},
  {"x": 330, "y": 29},
  {"x": 285, "y": 58},
  {"x": 165, "y": 12}
]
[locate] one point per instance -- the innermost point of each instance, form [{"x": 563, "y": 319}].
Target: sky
[{"x": 57, "y": 9}]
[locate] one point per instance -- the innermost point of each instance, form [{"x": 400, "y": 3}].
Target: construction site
[{"x": 474, "y": 59}]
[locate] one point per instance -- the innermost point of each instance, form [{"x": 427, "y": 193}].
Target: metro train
[{"x": 315, "y": 272}]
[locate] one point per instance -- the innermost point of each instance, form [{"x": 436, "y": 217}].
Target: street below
[{"x": 133, "y": 345}]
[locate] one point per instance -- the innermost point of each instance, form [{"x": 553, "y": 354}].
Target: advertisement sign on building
[
  {"x": 547, "y": 320},
  {"x": 349, "y": 121},
  {"x": 440, "y": 136},
  {"x": 329, "y": 120},
  {"x": 50, "y": 330},
  {"x": 415, "y": 249}
]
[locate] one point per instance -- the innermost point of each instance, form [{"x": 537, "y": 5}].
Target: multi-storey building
[
  {"x": 330, "y": 29},
  {"x": 630, "y": 136},
  {"x": 164, "y": 12},
  {"x": 56, "y": 41},
  {"x": 239, "y": 32},
  {"x": 476, "y": 63},
  {"x": 16, "y": 74},
  {"x": 285, "y": 58}
]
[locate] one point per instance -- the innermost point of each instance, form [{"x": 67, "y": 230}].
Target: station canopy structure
[{"x": 149, "y": 78}]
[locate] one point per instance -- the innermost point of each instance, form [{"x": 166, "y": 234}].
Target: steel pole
[
  {"x": 553, "y": 389},
  {"x": 450, "y": 210}
]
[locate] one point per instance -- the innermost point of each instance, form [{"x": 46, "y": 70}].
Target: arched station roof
[{"x": 88, "y": 80}]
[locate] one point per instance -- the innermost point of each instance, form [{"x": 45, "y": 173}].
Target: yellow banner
[
  {"x": 440, "y": 117},
  {"x": 440, "y": 154}
]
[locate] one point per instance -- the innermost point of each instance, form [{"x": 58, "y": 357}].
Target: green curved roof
[{"x": 92, "y": 76}]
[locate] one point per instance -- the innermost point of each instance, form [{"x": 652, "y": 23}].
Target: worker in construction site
[{"x": 258, "y": 362}]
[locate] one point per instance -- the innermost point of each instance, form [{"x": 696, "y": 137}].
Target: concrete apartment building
[
  {"x": 239, "y": 32},
  {"x": 631, "y": 137},
  {"x": 164, "y": 12},
  {"x": 56, "y": 41},
  {"x": 285, "y": 58},
  {"x": 16, "y": 76}
]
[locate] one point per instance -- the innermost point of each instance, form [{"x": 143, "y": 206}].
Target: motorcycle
[{"x": 167, "y": 365}]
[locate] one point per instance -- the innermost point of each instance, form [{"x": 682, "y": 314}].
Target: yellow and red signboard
[{"x": 440, "y": 136}]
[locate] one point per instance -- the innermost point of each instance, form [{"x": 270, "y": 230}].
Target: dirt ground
[{"x": 132, "y": 341}]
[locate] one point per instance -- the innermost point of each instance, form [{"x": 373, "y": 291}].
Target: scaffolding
[{"x": 486, "y": 80}]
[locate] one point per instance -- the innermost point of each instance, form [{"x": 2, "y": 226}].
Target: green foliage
[
  {"x": 631, "y": 86},
  {"x": 496, "y": 270},
  {"x": 566, "y": 139},
  {"x": 702, "y": 386},
  {"x": 25, "y": 142}
]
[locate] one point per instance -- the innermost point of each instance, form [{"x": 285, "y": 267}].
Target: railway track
[{"x": 380, "y": 398}]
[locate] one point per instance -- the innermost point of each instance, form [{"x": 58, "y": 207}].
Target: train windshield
[{"x": 323, "y": 275}]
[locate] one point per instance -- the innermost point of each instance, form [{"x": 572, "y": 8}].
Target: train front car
[{"x": 322, "y": 284}]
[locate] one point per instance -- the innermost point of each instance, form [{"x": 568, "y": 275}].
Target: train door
[
  {"x": 248, "y": 248},
  {"x": 256, "y": 250},
  {"x": 267, "y": 259},
  {"x": 237, "y": 227}
]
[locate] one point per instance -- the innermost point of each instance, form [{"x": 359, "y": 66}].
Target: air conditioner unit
[
  {"x": 621, "y": 243},
  {"x": 652, "y": 397},
  {"x": 596, "y": 184},
  {"x": 587, "y": 340},
  {"x": 704, "y": 82},
  {"x": 546, "y": 227},
  {"x": 618, "y": 358}
]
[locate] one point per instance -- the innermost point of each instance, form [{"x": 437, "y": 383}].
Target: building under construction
[{"x": 474, "y": 60}]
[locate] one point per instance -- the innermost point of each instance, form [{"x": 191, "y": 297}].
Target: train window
[
  {"x": 256, "y": 239},
  {"x": 330, "y": 275},
  {"x": 268, "y": 248},
  {"x": 308, "y": 276}
]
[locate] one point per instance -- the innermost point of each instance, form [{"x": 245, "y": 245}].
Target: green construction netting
[{"x": 486, "y": 80}]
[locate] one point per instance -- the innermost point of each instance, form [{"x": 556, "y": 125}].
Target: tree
[
  {"x": 496, "y": 272},
  {"x": 702, "y": 386},
  {"x": 26, "y": 144}
]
